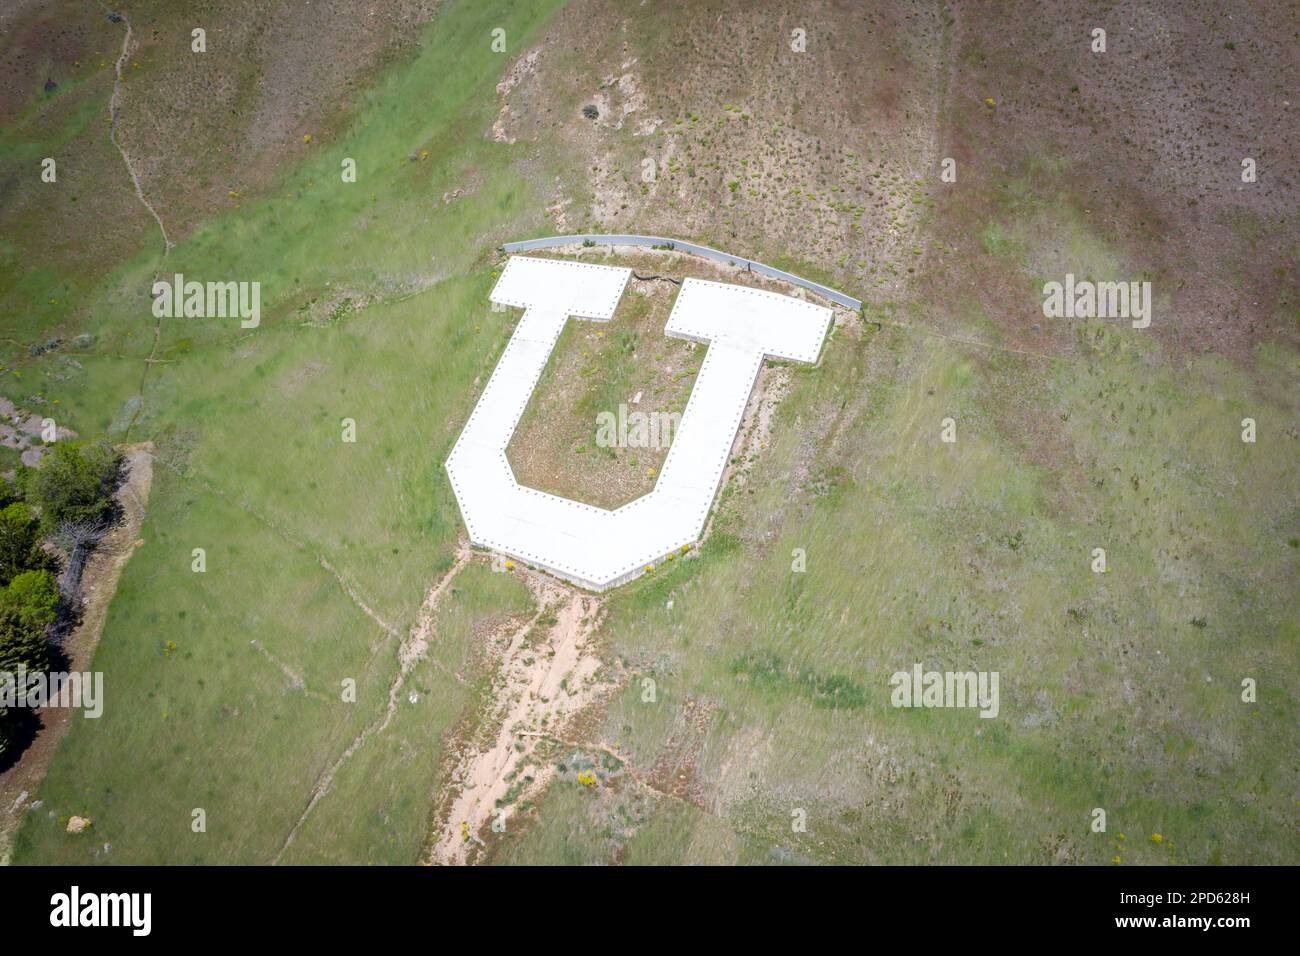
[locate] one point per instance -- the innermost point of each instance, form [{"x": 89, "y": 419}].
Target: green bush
[
  {"x": 34, "y": 596},
  {"x": 18, "y": 541},
  {"x": 9, "y": 492},
  {"x": 75, "y": 482}
]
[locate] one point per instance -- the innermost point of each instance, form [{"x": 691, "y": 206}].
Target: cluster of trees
[{"x": 72, "y": 488}]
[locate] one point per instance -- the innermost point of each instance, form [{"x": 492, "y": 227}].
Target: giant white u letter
[{"x": 596, "y": 547}]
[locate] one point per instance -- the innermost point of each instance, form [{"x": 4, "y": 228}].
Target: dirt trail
[
  {"x": 346, "y": 585},
  {"x": 98, "y": 584},
  {"x": 112, "y": 134},
  {"x": 113, "y": 108},
  {"x": 408, "y": 653},
  {"x": 294, "y": 678},
  {"x": 417, "y": 642},
  {"x": 548, "y": 674}
]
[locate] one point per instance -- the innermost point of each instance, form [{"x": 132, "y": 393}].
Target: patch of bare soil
[
  {"x": 625, "y": 368},
  {"x": 549, "y": 672},
  {"x": 298, "y": 378},
  {"x": 99, "y": 582},
  {"x": 709, "y": 125},
  {"x": 675, "y": 769}
]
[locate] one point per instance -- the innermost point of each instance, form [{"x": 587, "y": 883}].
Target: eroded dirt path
[
  {"x": 412, "y": 648},
  {"x": 113, "y": 108},
  {"x": 548, "y": 673}
]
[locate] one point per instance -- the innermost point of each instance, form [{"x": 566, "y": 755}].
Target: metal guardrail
[{"x": 677, "y": 244}]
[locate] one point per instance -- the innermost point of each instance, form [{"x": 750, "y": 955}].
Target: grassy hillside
[
  {"x": 1119, "y": 690},
  {"x": 374, "y": 309}
]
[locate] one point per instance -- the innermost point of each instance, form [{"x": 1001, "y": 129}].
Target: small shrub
[
  {"x": 33, "y": 596},
  {"x": 75, "y": 482}
]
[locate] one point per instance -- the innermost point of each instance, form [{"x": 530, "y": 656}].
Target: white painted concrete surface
[{"x": 591, "y": 546}]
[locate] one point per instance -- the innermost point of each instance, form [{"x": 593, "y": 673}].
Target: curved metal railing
[{"x": 677, "y": 244}]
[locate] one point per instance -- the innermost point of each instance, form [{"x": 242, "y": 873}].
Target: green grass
[
  {"x": 380, "y": 805},
  {"x": 971, "y": 556},
  {"x": 263, "y": 481},
  {"x": 216, "y": 724}
]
